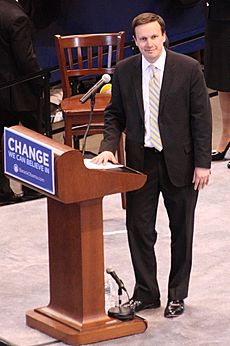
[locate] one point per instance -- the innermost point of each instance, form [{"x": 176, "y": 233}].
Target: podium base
[{"x": 111, "y": 329}]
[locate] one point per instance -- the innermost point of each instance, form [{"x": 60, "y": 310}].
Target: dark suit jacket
[
  {"x": 184, "y": 116},
  {"x": 17, "y": 58}
]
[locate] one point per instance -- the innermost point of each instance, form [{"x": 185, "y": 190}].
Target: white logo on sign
[{"x": 16, "y": 168}]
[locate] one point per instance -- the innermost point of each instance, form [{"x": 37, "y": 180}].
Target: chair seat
[
  {"x": 76, "y": 113},
  {"x": 72, "y": 106}
]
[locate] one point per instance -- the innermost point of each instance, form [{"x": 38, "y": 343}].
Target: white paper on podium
[{"x": 89, "y": 164}]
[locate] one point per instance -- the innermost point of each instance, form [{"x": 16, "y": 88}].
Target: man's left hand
[{"x": 201, "y": 177}]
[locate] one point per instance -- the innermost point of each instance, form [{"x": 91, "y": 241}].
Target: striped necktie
[{"x": 154, "y": 96}]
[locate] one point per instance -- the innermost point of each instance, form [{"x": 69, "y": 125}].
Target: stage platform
[{"x": 25, "y": 280}]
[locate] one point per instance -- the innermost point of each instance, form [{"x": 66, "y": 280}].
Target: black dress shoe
[
  {"x": 174, "y": 308},
  {"x": 219, "y": 155},
  {"x": 138, "y": 305}
]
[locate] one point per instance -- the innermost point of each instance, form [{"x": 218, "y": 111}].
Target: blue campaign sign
[{"x": 29, "y": 160}]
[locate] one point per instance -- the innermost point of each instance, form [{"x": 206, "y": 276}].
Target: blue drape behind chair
[{"x": 66, "y": 17}]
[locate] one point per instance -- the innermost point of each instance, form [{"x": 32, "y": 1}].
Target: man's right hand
[{"x": 104, "y": 157}]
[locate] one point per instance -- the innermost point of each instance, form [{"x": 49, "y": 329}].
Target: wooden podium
[{"x": 76, "y": 311}]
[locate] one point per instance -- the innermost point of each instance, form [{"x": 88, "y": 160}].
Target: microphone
[
  {"x": 116, "y": 278},
  {"x": 104, "y": 79},
  {"x": 123, "y": 313}
]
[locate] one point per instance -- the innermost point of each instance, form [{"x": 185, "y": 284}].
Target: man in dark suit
[
  {"x": 177, "y": 167},
  {"x": 20, "y": 102}
]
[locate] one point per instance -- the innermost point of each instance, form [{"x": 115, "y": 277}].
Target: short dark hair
[{"x": 145, "y": 18}]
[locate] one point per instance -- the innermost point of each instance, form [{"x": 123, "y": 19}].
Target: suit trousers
[{"x": 142, "y": 204}]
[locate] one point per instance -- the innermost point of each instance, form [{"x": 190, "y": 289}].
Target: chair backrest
[{"x": 88, "y": 54}]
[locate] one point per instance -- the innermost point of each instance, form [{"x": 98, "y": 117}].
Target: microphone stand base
[{"x": 121, "y": 313}]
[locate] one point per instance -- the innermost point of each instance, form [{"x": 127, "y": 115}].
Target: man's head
[{"x": 149, "y": 35}]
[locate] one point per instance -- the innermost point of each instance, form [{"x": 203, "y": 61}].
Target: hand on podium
[{"x": 104, "y": 157}]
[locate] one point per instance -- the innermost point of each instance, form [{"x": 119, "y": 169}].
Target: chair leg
[
  {"x": 76, "y": 142},
  {"x": 68, "y": 131},
  {"x": 123, "y": 200}
]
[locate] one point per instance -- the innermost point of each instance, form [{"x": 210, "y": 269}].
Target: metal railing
[{"x": 43, "y": 120}]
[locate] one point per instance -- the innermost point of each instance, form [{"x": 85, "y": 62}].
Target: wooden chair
[{"x": 85, "y": 56}]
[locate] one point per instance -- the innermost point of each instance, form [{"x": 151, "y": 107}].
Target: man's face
[{"x": 149, "y": 39}]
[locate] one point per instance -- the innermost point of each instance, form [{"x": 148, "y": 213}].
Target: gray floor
[{"x": 206, "y": 322}]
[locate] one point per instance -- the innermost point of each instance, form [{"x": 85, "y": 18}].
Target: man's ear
[
  {"x": 134, "y": 38},
  {"x": 166, "y": 41}
]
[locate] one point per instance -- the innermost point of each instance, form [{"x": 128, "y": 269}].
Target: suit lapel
[
  {"x": 166, "y": 83},
  {"x": 137, "y": 84},
  {"x": 167, "y": 79}
]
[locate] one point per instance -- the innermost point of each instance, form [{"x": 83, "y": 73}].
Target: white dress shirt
[{"x": 146, "y": 74}]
